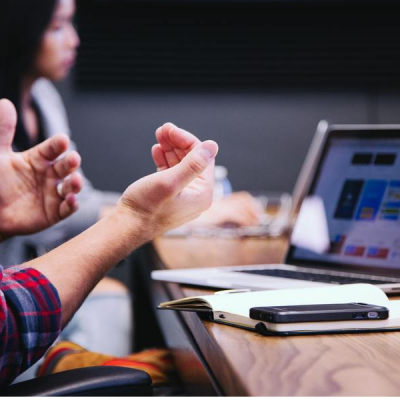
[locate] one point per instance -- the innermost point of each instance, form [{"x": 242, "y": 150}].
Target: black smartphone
[{"x": 319, "y": 312}]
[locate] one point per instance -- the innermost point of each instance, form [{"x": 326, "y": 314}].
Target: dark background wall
[{"x": 256, "y": 76}]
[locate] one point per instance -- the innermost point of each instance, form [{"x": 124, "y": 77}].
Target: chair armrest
[{"x": 90, "y": 381}]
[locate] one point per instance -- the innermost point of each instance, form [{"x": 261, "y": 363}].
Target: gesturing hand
[
  {"x": 239, "y": 208},
  {"x": 173, "y": 145},
  {"x": 183, "y": 187},
  {"x": 29, "y": 199}
]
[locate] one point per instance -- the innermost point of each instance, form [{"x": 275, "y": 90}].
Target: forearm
[{"x": 77, "y": 266}]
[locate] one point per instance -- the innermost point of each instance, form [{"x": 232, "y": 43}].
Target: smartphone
[{"x": 319, "y": 312}]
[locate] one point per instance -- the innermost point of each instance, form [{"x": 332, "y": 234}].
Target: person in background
[
  {"x": 38, "y": 298},
  {"x": 39, "y": 45}
]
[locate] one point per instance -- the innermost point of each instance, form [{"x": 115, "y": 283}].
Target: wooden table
[{"x": 218, "y": 359}]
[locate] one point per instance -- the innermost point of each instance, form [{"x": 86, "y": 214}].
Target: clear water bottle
[{"x": 222, "y": 186}]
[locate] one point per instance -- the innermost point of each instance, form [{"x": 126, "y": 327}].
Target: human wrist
[{"x": 131, "y": 227}]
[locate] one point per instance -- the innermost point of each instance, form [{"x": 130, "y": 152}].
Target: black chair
[{"x": 91, "y": 381}]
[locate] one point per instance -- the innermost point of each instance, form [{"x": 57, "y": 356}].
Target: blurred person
[
  {"x": 39, "y": 45},
  {"x": 37, "y": 299}
]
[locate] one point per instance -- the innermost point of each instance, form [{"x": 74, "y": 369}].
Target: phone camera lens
[{"x": 364, "y": 314}]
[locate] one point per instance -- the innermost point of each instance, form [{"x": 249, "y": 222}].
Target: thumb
[
  {"x": 8, "y": 122},
  {"x": 193, "y": 165}
]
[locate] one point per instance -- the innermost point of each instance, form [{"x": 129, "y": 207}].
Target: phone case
[{"x": 262, "y": 329}]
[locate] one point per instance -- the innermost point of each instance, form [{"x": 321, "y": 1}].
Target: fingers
[
  {"x": 242, "y": 218},
  {"x": 159, "y": 157},
  {"x": 68, "y": 206},
  {"x": 175, "y": 142},
  {"x": 66, "y": 165},
  {"x": 237, "y": 209},
  {"x": 68, "y": 189},
  {"x": 192, "y": 166},
  {"x": 247, "y": 206},
  {"x": 73, "y": 184},
  {"x": 248, "y": 209},
  {"x": 8, "y": 122},
  {"x": 170, "y": 137},
  {"x": 51, "y": 148},
  {"x": 182, "y": 139},
  {"x": 162, "y": 135}
]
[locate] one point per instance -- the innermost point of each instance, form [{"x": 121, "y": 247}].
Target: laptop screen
[{"x": 358, "y": 181}]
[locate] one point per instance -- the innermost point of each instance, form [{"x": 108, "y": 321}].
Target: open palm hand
[{"x": 29, "y": 199}]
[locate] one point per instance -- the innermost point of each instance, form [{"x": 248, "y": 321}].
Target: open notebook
[{"x": 233, "y": 308}]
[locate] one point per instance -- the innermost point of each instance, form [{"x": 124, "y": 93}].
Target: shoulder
[
  {"x": 43, "y": 89},
  {"x": 51, "y": 106}
]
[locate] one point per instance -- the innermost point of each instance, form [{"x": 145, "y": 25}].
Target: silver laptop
[{"x": 348, "y": 227}]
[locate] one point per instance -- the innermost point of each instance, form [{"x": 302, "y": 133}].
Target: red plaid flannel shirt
[{"x": 30, "y": 319}]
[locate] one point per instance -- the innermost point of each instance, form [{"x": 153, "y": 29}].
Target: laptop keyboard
[{"x": 309, "y": 276}]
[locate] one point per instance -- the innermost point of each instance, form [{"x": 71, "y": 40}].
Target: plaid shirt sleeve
[{"x": 30, "y": 319}]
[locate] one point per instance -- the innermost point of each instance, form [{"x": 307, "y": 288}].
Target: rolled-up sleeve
[{"x": 30, "y": 319}]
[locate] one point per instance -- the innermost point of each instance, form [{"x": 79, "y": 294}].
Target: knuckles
[{"x": 198, "y": 164}]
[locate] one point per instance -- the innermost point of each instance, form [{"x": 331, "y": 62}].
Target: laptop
[{"x": 348, "y": 226}]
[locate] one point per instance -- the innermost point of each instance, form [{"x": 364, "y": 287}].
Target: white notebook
[{"x": 232, "y": 308}]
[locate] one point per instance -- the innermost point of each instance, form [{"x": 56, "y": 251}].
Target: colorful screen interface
[{"x": 359, "y": 183}]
